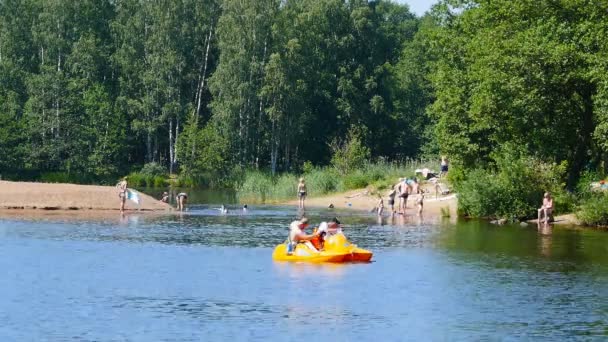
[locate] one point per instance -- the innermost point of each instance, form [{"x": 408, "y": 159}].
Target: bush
[
  {"x": 153, "y": 170},
  {"x": 255, "y": 187},
  {"x": 594, "y": 210},
  {"x": 65, "y": 177},
  {"x": 514, "y": 189},
  {"x": 307, "y": 167},
  {"x": 355, "y": 180},
  {"x": 583, "y": 187},
  {"x": 137, "y": 179},
  {"x": 349, "y": 155},
  {"x": 285, "y": 186},
  {"x": 321, "y": 181},
  {"x": 55, "y": 177}
]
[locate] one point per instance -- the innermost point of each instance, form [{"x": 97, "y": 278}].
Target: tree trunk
[
  {"x": 274, "y": 144},
  {"x": 171, "y": 146},
  {"x": 240, "y": 142},
  {"x": 584, "y": 135},
  {"x": 175, "y": 142},
  {"x": 148, "y": 146},
  {"x": 202, "y": 83}
]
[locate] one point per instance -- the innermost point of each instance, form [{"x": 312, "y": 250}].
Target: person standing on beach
[
  {"x": 301, "y": 193},
  {"x": 122, "y": 192},
  {"x": 444, "y": 166}
]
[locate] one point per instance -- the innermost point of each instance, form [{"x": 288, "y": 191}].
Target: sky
[{"x": 418, "y": 6}]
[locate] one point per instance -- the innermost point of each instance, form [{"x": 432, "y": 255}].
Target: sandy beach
[
  {"x": 363, "y": 200},
  {"x": 72, "y": 197}
]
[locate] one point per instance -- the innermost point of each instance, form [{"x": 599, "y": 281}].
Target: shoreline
[
  {"x": 362, "y": 200},
  {"x": 60, "y": 200}
]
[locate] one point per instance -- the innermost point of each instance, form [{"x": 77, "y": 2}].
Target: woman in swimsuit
[
  {"x": 301, "y": 193},
  {"x": 122, "y": 193},
  {"x": 181, "y": 200}
]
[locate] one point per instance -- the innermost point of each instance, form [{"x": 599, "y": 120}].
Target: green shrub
[
  {"x": 255, "y": 187},
  {"x": 514, "y": 189},
  {"x": 350, "y": 154},
  {"x": 152, "y": 170},
  {"x": 55, "y": 177},
  {"x": 594, "y": 210},
  {"x": 137, "y": 179},
  {"x": 186, "y": 181},
  {"x": 583, "y": 187},
  {"x": 307, "y": 167},
  {"x": 158, "y": 181},
  {"x": 66, "y": 177},
  {"x": 321, "y": 181},
  {"x": 284, "y": 186},
  {"x": 355, "y": 180}
]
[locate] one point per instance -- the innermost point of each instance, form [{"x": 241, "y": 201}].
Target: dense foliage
[
  {"x": 94, "y": 89},
  {"x": 512, "y": 187},
  {"x": 201, "y": 87}
]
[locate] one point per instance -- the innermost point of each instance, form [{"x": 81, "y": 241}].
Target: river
[{"x": 205, "y": 276}]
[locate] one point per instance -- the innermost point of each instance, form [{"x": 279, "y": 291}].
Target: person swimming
[{"x": 223, "y": 209}]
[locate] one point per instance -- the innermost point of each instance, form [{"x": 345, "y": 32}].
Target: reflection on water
[
  {"x": 305, "y": 271},
  {"x": 201, "y": 275}
]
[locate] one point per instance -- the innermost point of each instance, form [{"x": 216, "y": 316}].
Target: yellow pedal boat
[{"x": 336, "y": 248}]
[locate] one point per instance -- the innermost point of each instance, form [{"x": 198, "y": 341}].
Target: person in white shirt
[
  {"x": 297, "y": 235},
  {"x": 330, "y": 228}
]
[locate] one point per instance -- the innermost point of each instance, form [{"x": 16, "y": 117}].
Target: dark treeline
[{"x": 102, "y": 87}]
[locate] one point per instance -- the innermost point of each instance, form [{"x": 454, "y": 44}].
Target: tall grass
[
  {"x": 137, "y": 179},
  {"x": 261, "y": 187}
]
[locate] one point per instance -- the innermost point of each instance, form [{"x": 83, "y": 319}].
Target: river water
[{"x": 202, "y": 276}]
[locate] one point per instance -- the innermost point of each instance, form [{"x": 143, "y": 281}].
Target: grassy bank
[{"x": 262, "y": 187}]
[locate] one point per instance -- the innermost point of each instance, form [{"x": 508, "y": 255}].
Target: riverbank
[
  {"x": 434, "y": 206},
  {"x": 72, "y": 197},
  {"x": 363, "y": 200}
]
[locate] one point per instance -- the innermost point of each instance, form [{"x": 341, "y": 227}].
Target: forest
[{"x": 96, "y": 89}]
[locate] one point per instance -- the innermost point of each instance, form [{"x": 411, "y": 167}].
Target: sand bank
[{"x": 47, "y": 196}]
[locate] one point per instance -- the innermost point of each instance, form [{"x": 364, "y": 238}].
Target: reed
[{"x": 261, "y": 187}]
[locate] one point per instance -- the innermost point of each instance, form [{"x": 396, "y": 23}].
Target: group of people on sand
[
  {"x": 402, "y": 191},
  {"x": 123, "y": 193},
  {"x": 314, "y": 241},
  {"x": 181, "y": 199}
]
